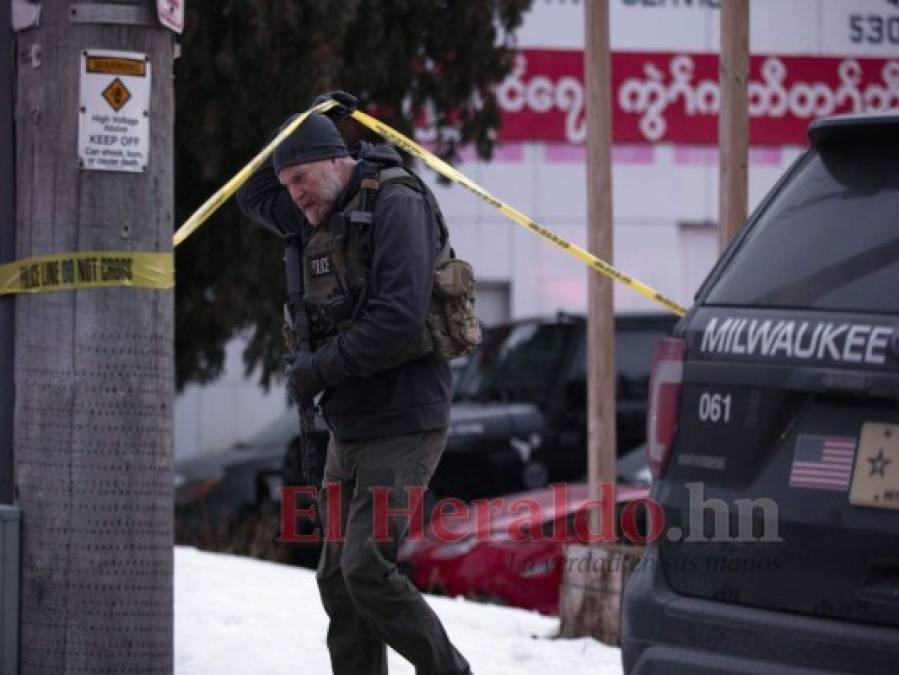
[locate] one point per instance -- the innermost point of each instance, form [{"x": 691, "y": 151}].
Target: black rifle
[{"x": 299, "y": 340}]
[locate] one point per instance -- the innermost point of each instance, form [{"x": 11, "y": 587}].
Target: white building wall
[
  {"x": 229, "y": 410},
  {"x": 661, "y": 196}
]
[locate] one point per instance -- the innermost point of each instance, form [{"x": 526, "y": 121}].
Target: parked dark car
[
  {"x": 519, "y": 419},
  {"x": 230, "y": 499},
  {"x": 774, "y": 434}
]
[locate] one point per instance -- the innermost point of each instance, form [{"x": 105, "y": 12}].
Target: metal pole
[
  {"x": 10, "y": 562},
  {"x": 733, "y": 123},
  {"x": 94, "y": 368},
  {"x": 7, "y": 249},
  {"x": 601, "y": 319}
]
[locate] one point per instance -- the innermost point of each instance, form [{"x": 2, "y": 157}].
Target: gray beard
[{"x": 333, "y": 187}]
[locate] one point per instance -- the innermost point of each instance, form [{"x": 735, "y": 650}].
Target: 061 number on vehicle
[{"x": 714, "y": 407}]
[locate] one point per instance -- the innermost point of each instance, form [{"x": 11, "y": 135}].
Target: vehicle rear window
[
  {"x": 634, "y": 347},
  {"x": 828, "y": 240},
  {"x": 518, "y": 363}
]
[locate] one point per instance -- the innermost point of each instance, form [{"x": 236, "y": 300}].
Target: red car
[{"x": 509, "y": 548}]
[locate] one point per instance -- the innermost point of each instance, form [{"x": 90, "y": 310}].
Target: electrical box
[{"x": 10, "y": 519}]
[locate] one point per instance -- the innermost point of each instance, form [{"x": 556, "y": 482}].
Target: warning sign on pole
[{"x": 114, "y": 128}]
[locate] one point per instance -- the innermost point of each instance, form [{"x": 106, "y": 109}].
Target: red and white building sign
[{"x": 674, "y": 97}]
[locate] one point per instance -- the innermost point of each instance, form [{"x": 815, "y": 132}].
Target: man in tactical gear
[{"x": 371, "y": 235}]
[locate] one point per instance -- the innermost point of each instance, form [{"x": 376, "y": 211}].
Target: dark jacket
[{"x": 360, "y": 402}]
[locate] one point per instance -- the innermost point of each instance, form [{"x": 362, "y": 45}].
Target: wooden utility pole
[
  {"x": 7, "y": 248},
  {"x": 733, "y": 122},
  {"x": 601, "y": 309},
  {"x": 94, "y": 369},
  {"x": 589, "y": 600}
]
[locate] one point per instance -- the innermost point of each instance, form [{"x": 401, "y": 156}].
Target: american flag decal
[{"x": 822, "y": 462}]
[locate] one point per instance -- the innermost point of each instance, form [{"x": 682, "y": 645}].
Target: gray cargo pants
[{"x": 369, "y": 602}]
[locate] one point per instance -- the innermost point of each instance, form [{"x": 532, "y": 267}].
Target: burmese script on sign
[
  {"x": 114, "y": 113},
  {"x": 675, "y": 97}
]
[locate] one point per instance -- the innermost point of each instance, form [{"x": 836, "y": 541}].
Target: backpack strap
[
  {"x": 407, "y": 177},
  {"x": 368, "y": 189},
  {"x": 373, "y": 179}
]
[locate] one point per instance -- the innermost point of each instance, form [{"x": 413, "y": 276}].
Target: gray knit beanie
[{"x": 316, "y": 139}]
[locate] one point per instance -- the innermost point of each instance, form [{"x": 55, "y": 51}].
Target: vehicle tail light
[{"x": 665, "y": 387}]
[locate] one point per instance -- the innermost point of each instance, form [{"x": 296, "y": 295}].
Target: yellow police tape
[
  {"x": 441, "y": 167},
  {"x": 88, "y": 269},
  {"x": 451, "y": 173}
]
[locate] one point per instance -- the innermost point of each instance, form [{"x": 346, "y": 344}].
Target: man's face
[{"x": 314, "y": 187}]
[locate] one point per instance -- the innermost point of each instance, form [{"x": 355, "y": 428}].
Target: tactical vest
[
  {"x": 337, "y": 263},
  {"x": 337, "y": 274}
]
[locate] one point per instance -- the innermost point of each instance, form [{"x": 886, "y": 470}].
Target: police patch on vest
[{"x": 321, "y": 266}]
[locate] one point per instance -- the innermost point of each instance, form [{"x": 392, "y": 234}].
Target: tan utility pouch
[{"x": 452, "y": 321}]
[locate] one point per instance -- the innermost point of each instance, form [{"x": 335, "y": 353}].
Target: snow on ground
[{"x": 240, "y": 616}]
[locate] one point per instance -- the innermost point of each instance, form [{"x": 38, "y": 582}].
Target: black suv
[
  {"x": 773, "y": 434},
  {"x": 519, "y": 415}
]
